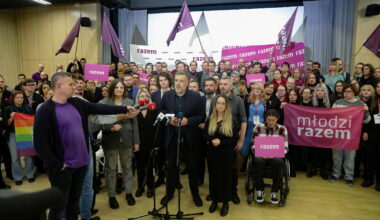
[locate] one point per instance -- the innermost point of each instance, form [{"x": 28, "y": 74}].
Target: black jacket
[{"x": 46, "y": 136}]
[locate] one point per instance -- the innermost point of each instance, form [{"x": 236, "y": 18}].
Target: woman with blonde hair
[
  {"x": 332, "y": 76},
  {"x": 221, "y": 135},
  {"x": 256, "y": 114}
]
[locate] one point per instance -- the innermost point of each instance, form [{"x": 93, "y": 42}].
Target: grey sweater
[{"x": 343, "y": 103}]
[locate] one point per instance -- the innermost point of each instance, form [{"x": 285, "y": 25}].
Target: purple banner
[
  {"x": 255, "y": 78},
  {"x": 269, "y": 147},
  {"x": 96, "y": 72},
  {"x": 294, "y": 54}
]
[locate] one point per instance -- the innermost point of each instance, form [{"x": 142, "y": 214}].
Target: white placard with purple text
[{"x": 96, "y": 72}]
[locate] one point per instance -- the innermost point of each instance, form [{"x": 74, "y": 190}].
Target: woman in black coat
[
  {"x": 221, "y": 136},
  {"x": 145, "y": 121}
]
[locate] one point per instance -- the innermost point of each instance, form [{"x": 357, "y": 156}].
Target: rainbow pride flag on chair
[{"x": 24, "y": 134}]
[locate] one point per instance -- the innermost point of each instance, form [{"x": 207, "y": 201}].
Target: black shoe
[
  {"x": 139, "y": 192},
  {"x": 94, "y": 211},
  {"x": 179, "y": 186},
  {"x": 367, "y": 183},
  {"x": 185, "y": 171},
  {"x": 325, "y": 174},
  {"x": 312, "y": 172},
  {"x": 213, "y": 207},
  {"x": 159, "y": 182},
  {"x": 113, "y": 203},
  {"x": 119, "y": 185},
  {"x": 377, "y": 187},
  {"x": 4, "y": 186},
  {"x": 165, "y": 200},
  {"x": 200, "y": 182},
  {"x": 208, "y": 197},
  {"x": 293, "y": 173},
  {"x": 224, "y": 210},
  {"x": 9, "y": 176},
  {"x": 235, "y": 198},
  {"x": 350, "y": 183},
  {"x": 149, "y": 194},
  {"x": 130, "y": 199},
  {"x": 19, "y": 182},
  {"x": 31, "y": 180},
  {"x": 197, "y": 200}
]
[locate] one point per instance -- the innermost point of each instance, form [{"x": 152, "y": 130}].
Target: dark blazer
[
  {"x": 147, "y": 131},
  {"x": 133, "y": 93},
  {"x": 193, "y": 110},
  {"x": 156, "y": 97},
  {"x": 37, "y": 99},
  {"x": 46, "y": 136}
]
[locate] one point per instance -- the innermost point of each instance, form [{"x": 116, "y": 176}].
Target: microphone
[
  {"x": 179, "y": 116},
  {"x": 168, "y": 118},
  {"x": 159, "y": 119},
  {"x": 151, "y": 106}
]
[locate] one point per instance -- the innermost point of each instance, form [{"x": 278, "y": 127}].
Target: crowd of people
[{"x": 217, "y": 116}]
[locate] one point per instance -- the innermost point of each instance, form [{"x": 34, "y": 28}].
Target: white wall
[{"x": 227, "y": 27}]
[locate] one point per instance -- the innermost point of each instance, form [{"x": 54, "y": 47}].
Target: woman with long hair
[
  {"x": 256, "y": 114},
  {"x": 320, "y": 156},
  {"x": 221, "y": 135},
  {"x": 338, "y": 91},
  {"x": 17, "y": 105},
  {"x": 367, "y": 95},
  {"x": 119, "y": 140},
  {"x": 149, "y": 69},
  {"x": 367, "y": 77},
  {"x": 332, "y": 76},
  {"x": 44, "y": 90},
  {"x": 145, "y": 121}
]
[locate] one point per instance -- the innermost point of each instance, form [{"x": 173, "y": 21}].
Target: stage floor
[{"x": 309, "y": 198}]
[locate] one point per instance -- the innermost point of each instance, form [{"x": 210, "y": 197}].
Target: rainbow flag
[{"x": 24, "y": 134}]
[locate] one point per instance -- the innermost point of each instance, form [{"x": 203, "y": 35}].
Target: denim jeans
[
  {"x": 85, "y": 202},
  {"x": 16, "y": 163},
  {"x": 347, "y": 158}
]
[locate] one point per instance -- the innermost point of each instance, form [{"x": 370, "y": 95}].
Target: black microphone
[{"x": 179, "y": 116}]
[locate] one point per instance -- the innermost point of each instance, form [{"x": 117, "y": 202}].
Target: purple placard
[
  {"x": 96, "y": 72},
  {"x": 294, "y": 54},
  {"x": 269, "y": 147},
  {"x": 255, "y": 78},
  {"x": 143, "y": 77}
]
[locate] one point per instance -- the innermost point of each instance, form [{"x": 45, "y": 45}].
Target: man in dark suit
[
  {"x": 129, "y": 87},
  {"x": 165, "y": 81},
  {"x": 31, "y": 98},
  {"x": 185, "y": 103}
]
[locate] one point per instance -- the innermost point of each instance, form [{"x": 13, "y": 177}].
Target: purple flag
[
  {"x": 184, "y": 21},
  {"x": 109, "y": 36},
  {"x": 68, "y": 43},
  {"x": 373, "y": 42},
  {"x": 286, "y": 33}
]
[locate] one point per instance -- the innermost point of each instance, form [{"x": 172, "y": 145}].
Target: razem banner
[
  {"x": 338, "y": 128},
  {"x": 255, "y": 78},
  {"x": 96, "y": 72},
  {"x": 269, "y": 147},
  {"x": 142, "y": 54},
  {"x": 294, "y": 54}
]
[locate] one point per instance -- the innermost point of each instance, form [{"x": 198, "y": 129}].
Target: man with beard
[
  {"x": 188, "y": 114},
  {"x": 129, "y": 87}
]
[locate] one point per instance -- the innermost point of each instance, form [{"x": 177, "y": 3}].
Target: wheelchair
[{"x": 250, "y": 181}]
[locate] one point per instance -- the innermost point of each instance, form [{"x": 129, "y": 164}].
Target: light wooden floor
[{"x": 310, "y": 198}]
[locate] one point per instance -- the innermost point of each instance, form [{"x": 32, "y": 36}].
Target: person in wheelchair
[{"x": 269, "y": 129}]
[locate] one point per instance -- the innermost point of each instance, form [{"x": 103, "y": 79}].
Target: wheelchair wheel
[
  {"x": 287, "y": 175},
  {"x": 249, "y": 188}
]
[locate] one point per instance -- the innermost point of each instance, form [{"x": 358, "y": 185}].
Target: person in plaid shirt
[{"x": 269, "y": 129}]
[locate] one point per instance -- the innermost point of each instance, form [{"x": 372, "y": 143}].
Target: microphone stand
[
  {"x": 152, "y": 159},
  {"x": 180, "y": 214}
]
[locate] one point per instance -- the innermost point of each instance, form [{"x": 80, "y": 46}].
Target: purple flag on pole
[
  {"x": 183, "y": 22},
  {"x": 286, "y": 32},
  {"x": 68, "y": 43},
  {"x": 109, "y": 36},
  {"x": 373, "y": 42}
]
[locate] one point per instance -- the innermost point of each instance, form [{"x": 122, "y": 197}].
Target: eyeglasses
[
  {"x": 30, "y": 84},
  {"x": 347, "y": 91},
  {"x": 221, "y": 103}
]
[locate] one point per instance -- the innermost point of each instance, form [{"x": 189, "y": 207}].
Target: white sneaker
[
  {"x": 274, "y": 198},
  {"x": 260, "y": 196}
]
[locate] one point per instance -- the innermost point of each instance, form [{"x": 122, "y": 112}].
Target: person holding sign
[
  {"x": 221, "y": 135},
  {"x": 269, "y": 129},
  {"x": 347, "y": 157}
]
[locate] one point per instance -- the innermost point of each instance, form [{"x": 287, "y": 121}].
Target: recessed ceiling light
[{"x": 42, "y": 2}]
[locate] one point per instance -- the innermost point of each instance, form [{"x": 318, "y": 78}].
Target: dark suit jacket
[
  {"x": 156, "y": 97},
  {"x": 37, "y": 99},
  {"x": 192, "y": 109}
]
